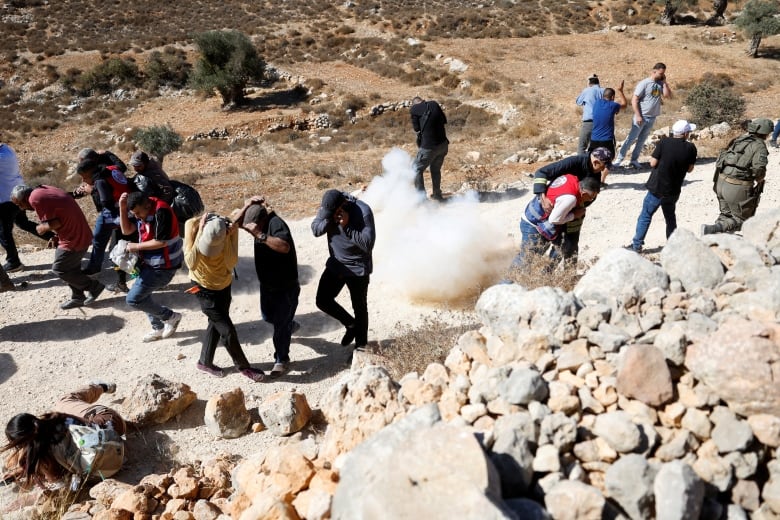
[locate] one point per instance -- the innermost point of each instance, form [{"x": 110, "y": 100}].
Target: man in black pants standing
[
  {"x": 428, "y": 121},
  {"x": 349, "y": 224}
]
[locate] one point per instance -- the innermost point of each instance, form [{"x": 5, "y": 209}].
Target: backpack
[
  {"x": 100, "y": 451},
  {"x": 186, "y": 202}
]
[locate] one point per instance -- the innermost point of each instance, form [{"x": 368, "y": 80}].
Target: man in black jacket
[
  {"x": 428, "y": 121},
  {"x": 349, "y": 225}
]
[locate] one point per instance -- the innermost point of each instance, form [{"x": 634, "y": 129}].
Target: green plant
[
  {"x": 167, "y": 69},
  {"x": 228, "y": 62},
  {"x": 158, "y": 140},
  {"x": 759, "y": 18},
  {"x": 109, "y": 75},
  {"x": 710, "y": 102}
]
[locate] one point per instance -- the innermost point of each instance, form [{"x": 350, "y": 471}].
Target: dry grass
[
  {"x": 540, "y": 271},
  {"x": 413, "y": 349}
]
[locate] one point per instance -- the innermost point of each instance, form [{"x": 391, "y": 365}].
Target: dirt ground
[{"x": 46, "y": 351}]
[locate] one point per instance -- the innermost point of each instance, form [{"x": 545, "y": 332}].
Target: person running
[{"x": 161, "y": 255}]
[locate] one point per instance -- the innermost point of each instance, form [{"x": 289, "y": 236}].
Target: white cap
[{"x": 682, "y": 127}]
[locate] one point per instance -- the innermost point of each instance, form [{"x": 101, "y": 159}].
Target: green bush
[
  {"x": 167, "y": 69},
  {"x": 228, "y": 62},
  {"x": 104, "y": 78},
  {"x": 710, "y": 102},
  {"x": 158, "y": 140}
]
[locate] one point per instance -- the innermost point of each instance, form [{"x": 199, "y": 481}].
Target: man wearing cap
[
  {"x": 739, "y": 177},
  {"x": 276, "y": 264},
  {"x": 149, "y": 177},
  {"x": 105, "y": 185},
  {"x": 59, "y": 213},
  {"x": 581, "y": 166},
  {"x": 428, "y": 121},
  {"x": 566, "y": 196},
  {"x": 671, "y": 160},
  {"x": 646, "y": 102},
  {"x": 211, "y": 253},
  {"x": 349, "y": 225},
  {"x": 160, "y": 251},
  {"x": 587, "y": 100}
]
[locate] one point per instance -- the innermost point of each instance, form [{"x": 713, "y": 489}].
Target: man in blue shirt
[
  {"x": 586, "y": 99},
  {"x": 603, "y": 134}
]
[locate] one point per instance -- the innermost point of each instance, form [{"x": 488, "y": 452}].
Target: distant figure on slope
[
  {"x": 428, "y": 121},
  {"x": 587, "y": 100},
  {"x": 740, "y": 172},
  {"x": 646, "y": 102},
  {"x": 672, "y": 158},
  {"x": 603, "y": 134}
]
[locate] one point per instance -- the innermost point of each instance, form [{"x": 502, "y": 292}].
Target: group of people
[{"x": 565, "y": 188}]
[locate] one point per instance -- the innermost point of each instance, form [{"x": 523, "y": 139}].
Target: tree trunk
[
  {"x": 755, "y": 41},
  {"x": 718, "y": 17},
  {"x": 667, "y": 17}
]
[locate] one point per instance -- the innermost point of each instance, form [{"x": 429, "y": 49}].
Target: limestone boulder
[
  {"x": 692, "y": 262},
  {"x": 155, "y": 400},
  {"x": 644, "y": 375},
  {"x": 285, "y": 413},
  {"x": 620, "y": 275},
  {"x": 226, "y": 415}
]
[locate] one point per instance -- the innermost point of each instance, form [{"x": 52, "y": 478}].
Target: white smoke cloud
[{"x": 430, "y": 251}]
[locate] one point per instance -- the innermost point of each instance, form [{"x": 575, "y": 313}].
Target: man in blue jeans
[
  {"x": 161, "y": 253},
  {"x": 672, "y": 158},
  {"x": 775, "y": 134},
  {"x": 428, "y": 121},
  {"x": 349, "y": 225},
  {"x": 646, "y": 102}
]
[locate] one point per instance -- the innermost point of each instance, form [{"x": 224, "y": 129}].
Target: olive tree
[
  {"x": 157, "y": 140},
  {"x": 759, "y": 18},
  {"x": 228, "y": 62}
]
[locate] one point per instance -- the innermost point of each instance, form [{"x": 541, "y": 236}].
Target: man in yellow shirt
[{"x": 211, "y": 253}]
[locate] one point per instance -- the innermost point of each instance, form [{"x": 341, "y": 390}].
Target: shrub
[
  {"x": 103, "y": 78},
  {"x": 158, "y": 140},
  {"x": 227, "y": 64},
  {"x": 168, "y": 69},
  {"x": 709, "y": 102}
]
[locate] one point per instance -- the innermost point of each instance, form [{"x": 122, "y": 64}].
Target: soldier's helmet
[{"x": 760, "y": 126}]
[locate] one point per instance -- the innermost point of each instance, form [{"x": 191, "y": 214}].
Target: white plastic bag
[{"x": 123, "y": 259}]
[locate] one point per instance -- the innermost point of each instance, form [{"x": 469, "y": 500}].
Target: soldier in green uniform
[{"x": 739, "y": 177}]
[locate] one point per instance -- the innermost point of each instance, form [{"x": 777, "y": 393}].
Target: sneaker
[
  {"x": 636, "y": 165},
  {"x": 211, "y": 369},
  {"x": 108, "y": 388},
  {"x": 118, "y": 287},
  {"x": 153, "y": 335},
  {"x": 10, "y": 267},
  {"x": 93, "y": 295},
  {"x": 295, "y": 327},
  {"x": 171, "y": 324},
  {"x": 349, "y": 336},
  {"x": 71, "y": 304},
  {"x": 279, "y": 369},
  {"x": 631, "y": 247},
  {"x": 253, "y": 374}
]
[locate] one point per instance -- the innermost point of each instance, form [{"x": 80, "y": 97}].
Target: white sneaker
[
  {"x": 171, "y": 324},
  {"x": 153, "y": 335}
]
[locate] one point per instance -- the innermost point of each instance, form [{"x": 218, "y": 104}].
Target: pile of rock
[{"x": 377, "y": 110}]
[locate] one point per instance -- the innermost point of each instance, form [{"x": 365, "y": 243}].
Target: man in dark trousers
[
  {"x": 276, "y": 264},
  {"x": 739, "y": 177},
  {"x": 428, "y": 121},
  {"x": 672, "y": 158},
  {"x": 349, "y": 225},
  {"x": 590, "y": 165}
]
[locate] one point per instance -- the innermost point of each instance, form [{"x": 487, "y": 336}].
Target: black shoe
[
  {"x": 12, "y": 267},
  {"x": 349, "y": 336},
  {"x": 72, "y": 304},
  {"x": 438, "y": 197},
  {"x": 90, "y": 272},
  {"x": 93, "y": 295}
]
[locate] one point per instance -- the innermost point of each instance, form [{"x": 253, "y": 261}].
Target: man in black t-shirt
[
  {"x": 672, "y": 158},
  {"x": 276, "y": 263},
  {"x": 428, "y": 121}
]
